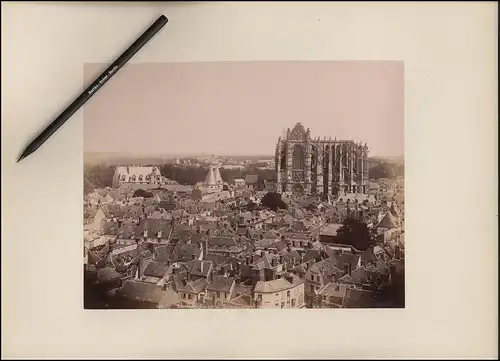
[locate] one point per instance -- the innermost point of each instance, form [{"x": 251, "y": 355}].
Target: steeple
[
  {"x": 218, "y": 177},
  {"x": 210, "y": 179}
]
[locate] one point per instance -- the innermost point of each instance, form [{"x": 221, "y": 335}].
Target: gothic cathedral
[{"x": 315, "y": 166}]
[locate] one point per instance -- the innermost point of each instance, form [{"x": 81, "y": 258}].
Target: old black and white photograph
[{"x": 245, "y": 185}]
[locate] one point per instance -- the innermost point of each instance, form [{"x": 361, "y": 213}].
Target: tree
[
  {"x": 252, "y": 206},
  {"x": 142, "y": 193},
  {"x": 273, "y": 201},
  {"x": 355, "y": 233}
]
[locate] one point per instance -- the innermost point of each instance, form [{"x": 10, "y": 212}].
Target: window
[
  {"x": 218, "y": 294},
  {"x": 283, "y": 304},
  {"x": 277, "y": 304},
  {"x": 276, "y": 294},
  {"x": 293, "y": 302},
  {"x": 189, "y": 296},
  {"x": 312, "y": 277},
  {"x": 298, "y": 157},
  {"x": 287, "y": 293}
]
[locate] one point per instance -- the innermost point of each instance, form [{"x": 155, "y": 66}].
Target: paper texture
[{"x": 450, "y": 145}]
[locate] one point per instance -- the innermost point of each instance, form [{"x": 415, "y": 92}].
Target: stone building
[
  {"x": 306, "y": 165},
  {"x": 136, "y": 174}
]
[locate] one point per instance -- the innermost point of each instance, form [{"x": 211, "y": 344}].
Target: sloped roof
[
  {"x": 156, "y": 269},
  {"x": 387, "y": 222},
  {"x": 330, "y": 229},
  {"x": 220, "y": 283},
  {"x": 272, "y": 286},
  {"x": 210, "y": 178}
]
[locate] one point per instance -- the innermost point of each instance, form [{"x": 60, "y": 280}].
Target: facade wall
[{"x": 290, "y": 298}]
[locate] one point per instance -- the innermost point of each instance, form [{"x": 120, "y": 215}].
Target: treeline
[
  {"x": 101, "y": 176},
  {"x": 192, "y": 175},
  {"x": 97, "y": 176},
  {"x": 385, "y": 169}
]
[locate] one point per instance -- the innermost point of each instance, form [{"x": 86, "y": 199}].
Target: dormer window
[
  {"x": 133, "y": 178},
  {"x": 140, "y": 178},
  {"x": 123, "y": 178},
  {"x": 148, "y": 177}
]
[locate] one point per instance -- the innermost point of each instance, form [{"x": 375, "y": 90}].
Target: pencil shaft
[{"x": 95, "y": 86}]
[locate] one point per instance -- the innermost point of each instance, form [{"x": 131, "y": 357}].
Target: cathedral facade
[{"x": 306, "y": 165}]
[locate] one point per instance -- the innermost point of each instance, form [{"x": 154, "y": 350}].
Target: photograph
[{"x": 245, "y": 185}]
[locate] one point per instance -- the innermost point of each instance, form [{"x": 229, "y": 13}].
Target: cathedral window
[{"x": 298, "y": 157}]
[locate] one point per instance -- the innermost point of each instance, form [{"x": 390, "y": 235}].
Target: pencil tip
[{"x": 21, "y": 158}]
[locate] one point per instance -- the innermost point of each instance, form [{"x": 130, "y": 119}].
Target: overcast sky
[{"x": 241, "y": 108}]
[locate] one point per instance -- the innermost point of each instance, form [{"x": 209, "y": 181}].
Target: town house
[{"x": 285, "y": 292}]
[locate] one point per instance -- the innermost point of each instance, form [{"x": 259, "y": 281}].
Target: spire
[
  {"x": 210, "y": 179},
  {"x": 218, "y": 177}
]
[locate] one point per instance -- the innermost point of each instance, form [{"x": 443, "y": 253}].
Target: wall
[{"x": 281, "y": 299}]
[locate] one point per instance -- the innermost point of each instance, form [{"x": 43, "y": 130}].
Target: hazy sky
[{"x": 240, "y": 108}]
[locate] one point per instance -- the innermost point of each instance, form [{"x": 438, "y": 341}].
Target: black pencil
[{"x": 95, "y": 86}]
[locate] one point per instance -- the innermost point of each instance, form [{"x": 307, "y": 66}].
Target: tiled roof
[
  {"x": 277, "y": 285},
  {"x": 199, "y": 268},
  {"x": 330, "y": 230},
  {"x": 387, "y": 222},
  {"x": 222, "y": 241},
  {"x": 327, "y": 267},
  {"x": 220, "y": 283},
  {"x": 153, "y": 226},
  {"x": 272, "y": 286},
  {"x": 156, "y": 269},
  {"x": 196, "y": 286}
]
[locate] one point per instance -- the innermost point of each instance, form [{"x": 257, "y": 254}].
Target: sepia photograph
[{"x": 245, "y": 185}]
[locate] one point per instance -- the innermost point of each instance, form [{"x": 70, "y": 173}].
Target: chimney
[
  {"x": 281, "y": 259},
  {"x": 139, "y": 270},
  {"x": 302, "y": 257},
  {"x": 205, "y": 249},
  {"x": 274, "y": 262},
  {"x": 347, "y": 268}
]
